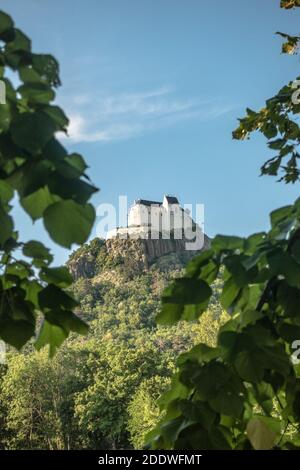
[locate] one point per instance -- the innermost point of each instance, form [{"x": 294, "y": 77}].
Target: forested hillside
[{"x": 101, "y": 391}]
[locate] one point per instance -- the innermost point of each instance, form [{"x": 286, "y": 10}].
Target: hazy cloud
[{"x": 128, "y": 115}]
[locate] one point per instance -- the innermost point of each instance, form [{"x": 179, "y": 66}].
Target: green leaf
[
  {"x": 5, "y": 117},
  {"x": 262, "y": 432},
  {"x": 195, "y": 266},
  {"x": 32, "y": 288},
  {"x": 37, "y": 250},
  {"x": 47, "y": 67},
  {"x": 200, "y": 353},
  {"x": 6, "y": 192},
  {"x": 37, "y": 93},
  {"x": 295, "y": 250},
  {"x": 54, "y": 151},
  {"x": 58, "y": 117},
  {"x": 16, "y": 333},
  {"x": 280, "y": 215},
  {"x": 32, "y": 131},
  {"x": 283, "y": 263},
  {"x": 70, "y": 188},
  {"x": 29, "y": 75},
  {"x": 187, "y": 291},
  {"x": 77, "y": 325},
  {"x": 67, "y": 320},
  {"x": 21, "y": 269},
  {"x": 237, "y": 270},
  {"x": 185, "y": 299},
  {"x": 36, "y": 203},
  {"x": 50, "y": 334},
  {"x": 68, "y": 222},
  {"x": 224, "y": 242},
  {"x": 253, "y": 242},
  {"x": 249, "y": 365},
  {"x": 6, "y": 226},
  {"x": 229, "y": 293},
  {"x": 228, "y": 402},
  {"x": 169, "y": 314},
  {"x": 250, "y": 317},
  {"x": 31, "y": 177},
  {"x": 60, "y": 276},
  {"x": 176, "y": 391},
  {"x": 289, "y": 332},
  {"x": 20, "y": 43},
  {"x": 5, "y": 22},
  {"x": 270, "y": 130},
  {"x": 276, "y": 359},
  {"x": 52, "y": 297},
  {"x": 209, "y": 379},
  {"x": 276, "y": 144},
  {"x": 289, "y": 299},
  {"x": 12, "y": 59},
  {"x": 72, "y": 166},
  {"x": 198, "y": 411}
]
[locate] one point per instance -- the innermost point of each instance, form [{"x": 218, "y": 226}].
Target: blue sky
[{"x": 154, "y": 88}]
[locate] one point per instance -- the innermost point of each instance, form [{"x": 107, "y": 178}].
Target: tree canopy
[{"x": 100, "y": 391}]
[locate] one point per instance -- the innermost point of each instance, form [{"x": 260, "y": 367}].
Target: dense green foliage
[
  {"x": 235, "y": 384},
  {"x": 100, "y": 391},
  {"x": 50, "y": 184},
  {"x": 244, "y": 393}
]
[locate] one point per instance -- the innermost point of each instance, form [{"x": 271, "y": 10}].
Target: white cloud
[{"x": 128, "y": 115}]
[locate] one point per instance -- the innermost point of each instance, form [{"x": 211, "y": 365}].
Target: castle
[
  {"x": 156, "y": 231},
  {"x": 155, "y": 220}
]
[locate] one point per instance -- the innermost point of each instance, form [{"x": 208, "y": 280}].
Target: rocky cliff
[{"x": 136, "y": 254}]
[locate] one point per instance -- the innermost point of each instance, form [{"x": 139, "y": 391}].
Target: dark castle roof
[
  {"x": 144, "y": 202},
  {"x": 172, "y": 200}
]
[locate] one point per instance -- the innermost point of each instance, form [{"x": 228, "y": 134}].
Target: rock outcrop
[
  {"x": 147, "y": 251},
  {"x": 136, "y": 254}
]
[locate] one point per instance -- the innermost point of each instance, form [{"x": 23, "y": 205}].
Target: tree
[
  {"x": 245, "y": 392},
  {"x": 38, "y": 396},
  {"x": 102, "y": 407},
  {"x": 143, "y": 410},
  {"x": 51, "y": 185}
]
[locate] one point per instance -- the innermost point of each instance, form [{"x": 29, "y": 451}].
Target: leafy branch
[
  {"x": 51, "y": 185},
  {"x": 227, "y": 397}
]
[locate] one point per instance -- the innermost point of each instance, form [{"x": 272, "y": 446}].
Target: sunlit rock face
[{"x": 138, "y": 254}]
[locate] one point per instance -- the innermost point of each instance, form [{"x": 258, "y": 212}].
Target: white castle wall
[
  {"x": 138, "y": 216},
  {"x": 158, "y": 221}
]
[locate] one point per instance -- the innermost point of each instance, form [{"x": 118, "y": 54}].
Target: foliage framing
[
  {"x": 245, "y": 392},
  {"x": 51, "y": 185}
]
